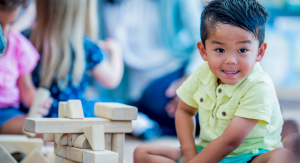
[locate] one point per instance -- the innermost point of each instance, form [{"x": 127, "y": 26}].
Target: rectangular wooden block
[
  {"x": 61, "y": 108},
  {"x": 65, "y": 125},
  {"x": 41, "y": 95},
  {"x": 60, "y": 150},
  {"x": 68, "y": 152},
  {"x": 108, "y": 141},
  {"x": 100, "y": 157},
  {"x": 117, "y": 145},
  {"x": 12, "y": 137},
  {"x": 77, "y": 153},
  {"x": 74, "y": 110},
  {"x": 115, "y": 111},
  {"x": 49, "y": 137}
]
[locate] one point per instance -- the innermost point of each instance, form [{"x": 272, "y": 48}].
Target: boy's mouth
[{"x": 230, "y": 73}]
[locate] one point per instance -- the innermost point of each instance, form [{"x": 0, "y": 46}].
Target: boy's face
[
  {"x": 7, "y": 18},
  {"x": 231, "y": 53}
]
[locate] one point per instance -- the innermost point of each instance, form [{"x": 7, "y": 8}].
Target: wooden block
[
  {"x": 74, "y": 110},
  {"x": 13, "y": 137},
  {"x": 60, "y": 150},
  {"x": 5, "y": 156},
  {"x": 41, "y": 96},
  {"x": 65, "y": 125},
  {"x": 68, "y": 161},
  {"x": 82, "y": 142},
  {"x": 95, "y": 136},
  {"x": 51, "y": 157},
  {"x": 108, "y": 142},
  {"x": 22, "y": 146},
  {"x": 72, "y": 138},
  {"x": 61, "y": 109},
  {"x": 59, "y": 159},
  {"x": 117, "y": 145},
  {"x": 68, "y": 152},
  {"x": 49, "y": 137},
  {"x": 61, "y": 139},
  {"x": 35, "y": 156},
  {"x": 115, "y": 111},
  {"x": 100, "y": 157},
  {"x": 77, "y": 153}
]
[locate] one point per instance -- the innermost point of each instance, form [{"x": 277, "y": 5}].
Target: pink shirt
[{"x": 20, "y": 58}]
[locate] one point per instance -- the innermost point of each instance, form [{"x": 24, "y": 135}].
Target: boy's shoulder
[
  {"x": 204, "y": 75},
  {"x": 259, "y": 76},
  {"x": 258, "y": 82},
  {"x": 202, "y": 70}
]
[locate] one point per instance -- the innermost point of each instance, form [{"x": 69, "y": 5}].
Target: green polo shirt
[{"x": 254, "y": 97}]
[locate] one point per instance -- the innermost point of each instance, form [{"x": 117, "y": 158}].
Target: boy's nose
[{"x": 230, "y": 59}]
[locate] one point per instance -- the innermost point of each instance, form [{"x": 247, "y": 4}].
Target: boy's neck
[{"x": 220, "y": 82}]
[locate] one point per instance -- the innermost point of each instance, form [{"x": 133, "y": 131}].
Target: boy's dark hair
[
  {"x": 13, "y": 4},
  {"x": 246, "y": 14}
]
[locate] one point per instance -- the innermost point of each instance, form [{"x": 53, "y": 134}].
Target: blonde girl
[{"x": 68, "y": 57}]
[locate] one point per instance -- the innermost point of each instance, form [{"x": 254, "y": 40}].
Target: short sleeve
[
  {"x": 257, "y": 103},
  {"x": 189, "y": 87},
  {"x": 93, "y": 53},
  {"x": 26, "y": 54}
]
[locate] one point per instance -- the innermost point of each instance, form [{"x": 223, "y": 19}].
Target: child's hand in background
[
  {"x": 111, "y": 45},
  {"x": 45, "y": 106}
]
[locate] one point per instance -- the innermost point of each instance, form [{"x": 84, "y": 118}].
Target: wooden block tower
[{"x": 86, "y": 140}]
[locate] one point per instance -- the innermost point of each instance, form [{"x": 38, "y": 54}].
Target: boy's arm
[
  {"x": 236, "y": 132},
  {"x": 184, "y": 121},
  {"x": 27, "y": 89}
]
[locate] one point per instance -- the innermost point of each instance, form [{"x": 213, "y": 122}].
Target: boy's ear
[
  {"x": 261, "y": 52},
  {"x": 202, "y": 50}
]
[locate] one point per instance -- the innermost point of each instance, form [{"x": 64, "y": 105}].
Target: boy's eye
[
  {"x": 220, "y": 50},
  {"x": 243, "y": 50}
]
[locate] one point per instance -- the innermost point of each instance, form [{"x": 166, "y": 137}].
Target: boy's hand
[
  {"x": 188, "y": 157},
  {"x": 45, "y": 106}
]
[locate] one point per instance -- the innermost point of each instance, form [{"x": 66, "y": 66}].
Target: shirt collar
[{"x": 211, "y": 81}]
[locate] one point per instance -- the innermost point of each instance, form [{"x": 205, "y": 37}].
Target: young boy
[{"x": 239, "y": 113}]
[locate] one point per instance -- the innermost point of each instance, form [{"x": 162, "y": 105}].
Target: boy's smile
[{"x": 231, "y": 53}]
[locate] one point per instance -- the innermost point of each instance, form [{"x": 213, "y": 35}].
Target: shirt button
[
  {"x": 224, "y": 113},
  {"x": 220, "y": 90},
  {"x": 201, "y": 99}
]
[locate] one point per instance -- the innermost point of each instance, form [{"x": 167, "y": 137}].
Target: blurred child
[
  {"x": 68, "y": 56},
  {"x": 239, "y": 113},
  {"x": 17, "y": 62}
]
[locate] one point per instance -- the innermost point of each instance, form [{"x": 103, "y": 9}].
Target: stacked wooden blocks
[
  {"x": 86, "y": 140},
  {"x": 30, "y": 147}
]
